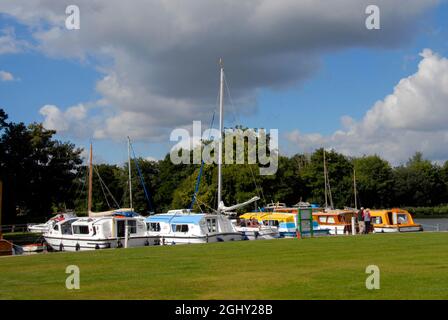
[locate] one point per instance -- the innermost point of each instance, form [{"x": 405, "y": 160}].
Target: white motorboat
[
  {"x": 115, "y": 229},
  {"x": 100, "y": 230},
  {"x": 182, "y": 227},
  {"x": 253, "y": 230}
]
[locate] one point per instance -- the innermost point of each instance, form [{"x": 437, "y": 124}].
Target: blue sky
[{"x": 348, "y": 81}]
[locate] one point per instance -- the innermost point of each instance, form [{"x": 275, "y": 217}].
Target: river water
[{"x": 431, "y": 224}]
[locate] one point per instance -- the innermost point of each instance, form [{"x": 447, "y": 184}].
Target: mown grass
[{"x": 413, "y": 266}]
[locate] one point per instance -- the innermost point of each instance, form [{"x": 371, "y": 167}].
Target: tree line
[{"x": 42, "y": 175}]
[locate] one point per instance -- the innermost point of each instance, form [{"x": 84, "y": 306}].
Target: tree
[
  {"x": 37, "y": 170},
  {"x": 374, "y": 182},
  {"x": 418, "y": 183}
]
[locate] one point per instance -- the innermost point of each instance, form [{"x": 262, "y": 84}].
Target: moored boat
[
  {"x": 335, "y": 221},
  {"x": 182, "y": 227},
  {"x": 393, "y": 220},
  {"x": 113, "y": 229}
]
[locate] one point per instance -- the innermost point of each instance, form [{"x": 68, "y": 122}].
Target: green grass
[{"x": 413, "y": 266}]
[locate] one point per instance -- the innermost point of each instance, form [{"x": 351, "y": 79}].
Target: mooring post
[
  {"x": 353, "y": 226},
  {"x": 126, "y": 233}
]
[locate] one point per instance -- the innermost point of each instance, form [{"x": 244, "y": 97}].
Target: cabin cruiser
[
  {"x": 100, "y": 230},
  {"x": 113, "y": 229},
  {"x": 252, "y": 229},
  {"x": 44, "y": 227},
  {"x": 335, "y": 221},
  {"x": 393, "y": 220},
  {"x": 183, "y": 226}
]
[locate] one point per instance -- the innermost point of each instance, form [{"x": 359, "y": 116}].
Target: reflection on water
[{"x": 431, "y": 224}]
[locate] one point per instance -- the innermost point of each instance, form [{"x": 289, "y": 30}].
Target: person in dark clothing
[{"x": 361, "y": 224}]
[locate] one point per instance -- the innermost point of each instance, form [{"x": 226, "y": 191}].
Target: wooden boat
[
  {"x": 335, "y": 221},
  {"x": 393, "y": 220}
]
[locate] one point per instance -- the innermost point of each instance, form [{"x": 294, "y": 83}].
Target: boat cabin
[
  {"x": 393, "y": 220},
  {"x": 337, "y": 221}
]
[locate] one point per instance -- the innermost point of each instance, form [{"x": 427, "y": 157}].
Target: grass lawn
[{"x": 413, "y": 266}]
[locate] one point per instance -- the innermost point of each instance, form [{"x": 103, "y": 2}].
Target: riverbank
[{"x": 411, "y": 267}]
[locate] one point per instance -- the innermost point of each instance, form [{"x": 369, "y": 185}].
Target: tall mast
[
  {"x": 129, "y": 170},
  {"x": 89, "y": 201},
  {"x": 325, "y": 181},
  {"x": 354, "y": 187},
  {"x": 221, "y": 125}
]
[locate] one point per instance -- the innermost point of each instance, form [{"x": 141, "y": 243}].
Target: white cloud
[
  {"x": 413, "y": 118},
  {"x": 73, "y": 120},
  {"x": 159, "y": 58},
  {"x": 6, "y": 76}
]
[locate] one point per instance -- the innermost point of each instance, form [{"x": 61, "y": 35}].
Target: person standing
[
  {"x": 361, "y": 220},
  {"x": 367, "y": 221}
]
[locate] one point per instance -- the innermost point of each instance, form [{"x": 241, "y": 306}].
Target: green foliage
[{"x": 42, "y": 175}]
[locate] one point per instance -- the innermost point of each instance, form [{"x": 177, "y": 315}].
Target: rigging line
[
  {"x": 142, "y": 181},
  {"x": 259, "y": 189},
  {"x": 105, "y": 196},
  {"x": 234, "y": 114},
  {"x": 198, "y": 180},
  {"x": 102, "y": 182}
]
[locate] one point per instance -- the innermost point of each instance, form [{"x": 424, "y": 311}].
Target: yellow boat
[
  {"x": 393, "y": 220},
  {"x": 285, "y": 222}
]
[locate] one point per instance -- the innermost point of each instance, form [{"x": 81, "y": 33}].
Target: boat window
[
  {"x": 81, "y": 229},
  {"x": 66, "y": 227},
  {"x": 153, "y": 226},
  {"x": 402, "y": 218},
  {"x": 323, "y": 219},
  {"x": 272, "y": 223},
  {"x": 330, "y": 220},
  {"x": 180, "y": 227},
  {"x": 377, "y": 220},
  {"x": 56, "y": 227},
  {"x": 211, "y": 225},
  {"x": 132, "y": 226}
]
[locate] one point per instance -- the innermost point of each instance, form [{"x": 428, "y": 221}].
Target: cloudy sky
[{"x": 308, "y": 68}]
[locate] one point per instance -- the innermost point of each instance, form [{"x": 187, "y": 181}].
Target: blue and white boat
[{"x": 182, "y": 227}]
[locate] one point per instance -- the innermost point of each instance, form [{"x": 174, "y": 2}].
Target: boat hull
[
  {"x": 77, "y": 244},
  {"x": 179, "y": 239},
  {"x": 397, "y": 229}
]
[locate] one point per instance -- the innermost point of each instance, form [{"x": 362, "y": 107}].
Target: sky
[{"x": 310, "y": 69}]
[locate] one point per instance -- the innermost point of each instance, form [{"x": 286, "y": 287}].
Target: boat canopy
[{"x": 180, "y": 218}]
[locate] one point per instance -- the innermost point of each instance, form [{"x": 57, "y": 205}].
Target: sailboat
[
  {"x": 335, "y": 221},
  {"x": 184, "y": 226},
  {"x": 101, "y": 230}
]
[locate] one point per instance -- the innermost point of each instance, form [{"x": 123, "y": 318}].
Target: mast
[
  {"x": 129, "y": 170},
  {"x": 221, "y": 125},
  {"x": 354, "y": 187},
  {"x": 89, "y": 201},
  {"x": 325, "y": 181}
]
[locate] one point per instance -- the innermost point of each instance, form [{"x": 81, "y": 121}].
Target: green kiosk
[{"x": 304, "y": 222}]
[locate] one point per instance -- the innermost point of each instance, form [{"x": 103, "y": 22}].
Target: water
[{"x": 431, "y": 224}]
